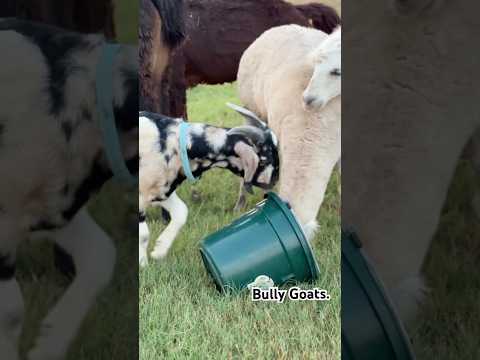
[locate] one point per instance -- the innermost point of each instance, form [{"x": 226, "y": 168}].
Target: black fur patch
[
  {"x": 67, "y": 130},
  {"x": 126, "y": 115},
  {"x": 162, "y": 123},
  {"x": 166, "y": 216},
  {"x": 44, "y": 226},
  {"x": 56, "y": 46},
  {"x": 92, "y": 183},
  {"x": 7, "y": 268},
  {"x": 64, "y": 262}
]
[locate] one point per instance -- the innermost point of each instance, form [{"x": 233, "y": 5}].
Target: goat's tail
[
  {"x": 322, "y": 17},
  {"x": 173, "y": 23}
]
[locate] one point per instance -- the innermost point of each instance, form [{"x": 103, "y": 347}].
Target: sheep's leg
[
  {"x": 178, "y": 214},
  {"x": 93, "y": 255},
  {"x": 242, "y": 198},
  {"x": 11, "y": 300},
  {"x": 143, "y": 237}
]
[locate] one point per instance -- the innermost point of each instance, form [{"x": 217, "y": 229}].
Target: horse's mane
[
  {"x": 173, "y": 27},
  {"x": 322, "y": 17}
]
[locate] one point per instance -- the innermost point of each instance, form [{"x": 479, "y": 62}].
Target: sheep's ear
[
  {"x": 251, "y": 118},
  {"x": 249, "y": 160},
  {"x": 255, "y": 134}
]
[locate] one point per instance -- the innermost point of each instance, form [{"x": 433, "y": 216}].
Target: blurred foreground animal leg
[
  {"x": 11, "y": 300},
  {"x": 93, "y": 255},
  {"x": 178, "y": 214}
]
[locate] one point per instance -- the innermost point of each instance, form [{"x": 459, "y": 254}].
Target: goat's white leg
[
  {"x": 143, "y": 237},
  {"x": 11, "y": 300},
  {"x": 242, "y": 198},
  {"x": 178, "y": 214},
  {"x": 93, "y": 255}
]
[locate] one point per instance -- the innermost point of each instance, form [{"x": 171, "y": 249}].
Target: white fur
[
  {"x": 143, "y": 237},
  {"x": 178, "y": 214},
  {"x": 93, "y": 254},
  {"x": 271, "y": 81},
  {"x": 326, "y": 60}
]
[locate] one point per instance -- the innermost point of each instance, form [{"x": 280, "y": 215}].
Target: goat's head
[
  {"x": 326, "y": 81},
  {"x": 262, "y": 163}
]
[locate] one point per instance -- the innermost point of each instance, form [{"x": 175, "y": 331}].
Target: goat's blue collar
[
  {"x": 183, "y": 133},
  {"x": 104, "y": 89}
]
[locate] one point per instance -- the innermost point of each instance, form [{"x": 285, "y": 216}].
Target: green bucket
[
  {"x": 267, "y": 240},
  {"x": 370, "y": 328}
]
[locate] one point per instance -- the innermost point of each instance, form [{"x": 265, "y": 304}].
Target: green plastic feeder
[
  {"x": 267, "y": 240},
  {"x": 370, "y": 328}
]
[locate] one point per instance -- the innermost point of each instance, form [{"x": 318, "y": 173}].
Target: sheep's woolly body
[{"x": 273, "y": 74}]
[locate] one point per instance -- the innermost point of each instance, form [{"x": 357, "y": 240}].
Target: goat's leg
[
  {"x": 11, "y": 300},
  {"x": 242, "y": 198},
  {"x": 178, "y": 214},
  {"x": 93, "y": 255},
  {"x": 143, "y": 237}
]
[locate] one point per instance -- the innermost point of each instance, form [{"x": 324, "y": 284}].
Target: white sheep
[{"x": 291, "y": 78}]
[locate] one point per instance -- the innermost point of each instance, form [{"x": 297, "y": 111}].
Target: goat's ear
[
  {"x": 250, "y": 117},
  {"x": 249, "y": 160},
  {"x": 255, "y": 134}
]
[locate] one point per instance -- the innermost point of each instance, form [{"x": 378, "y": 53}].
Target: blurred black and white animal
[
  {"x": 249, "y": 151},
  {"x": 53, "y": 159}
]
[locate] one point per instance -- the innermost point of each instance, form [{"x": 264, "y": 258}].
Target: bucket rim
[
  {"x": 352, "y": 252},
  {"x": 212, "y": 268},
  {"x": 297, "y": 228}
]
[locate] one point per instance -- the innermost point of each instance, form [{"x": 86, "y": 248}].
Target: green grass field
[{"x": 182, "y": 316}]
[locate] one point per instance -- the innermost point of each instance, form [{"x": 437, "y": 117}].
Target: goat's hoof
[
  {"x": 143, "y": 261},
  {"x": 158, "y": 253}
]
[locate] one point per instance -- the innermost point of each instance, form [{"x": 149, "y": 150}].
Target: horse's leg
[
  {"x": 242, "y": 198},
  {"x": 93, "y": 255},
  {"x": 178, "y": 214},
  {"x": 11, "y": 300}
]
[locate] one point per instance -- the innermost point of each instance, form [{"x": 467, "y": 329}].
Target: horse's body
[{"x": 218, "y": 33}]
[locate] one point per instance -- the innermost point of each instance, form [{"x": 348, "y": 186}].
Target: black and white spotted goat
[
  {"x": 53, "y": 157},
  {"x": 250, "y": 151}
]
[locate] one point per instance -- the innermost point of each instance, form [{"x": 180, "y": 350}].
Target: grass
[
  {"x": 449, "y": 322},
  {"x": 182, "y": 316}
]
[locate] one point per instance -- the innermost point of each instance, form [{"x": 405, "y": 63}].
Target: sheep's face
[{"x": 326, "y": 81}]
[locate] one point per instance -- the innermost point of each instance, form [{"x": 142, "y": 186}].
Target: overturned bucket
[
  {"x": 267, "y": 240},
  {"x": 371, "y": 329}
]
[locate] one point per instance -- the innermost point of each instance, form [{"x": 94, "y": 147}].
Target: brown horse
[
  {"x": 219, "y": 31},
  {"x": 161, "y": 30}
]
